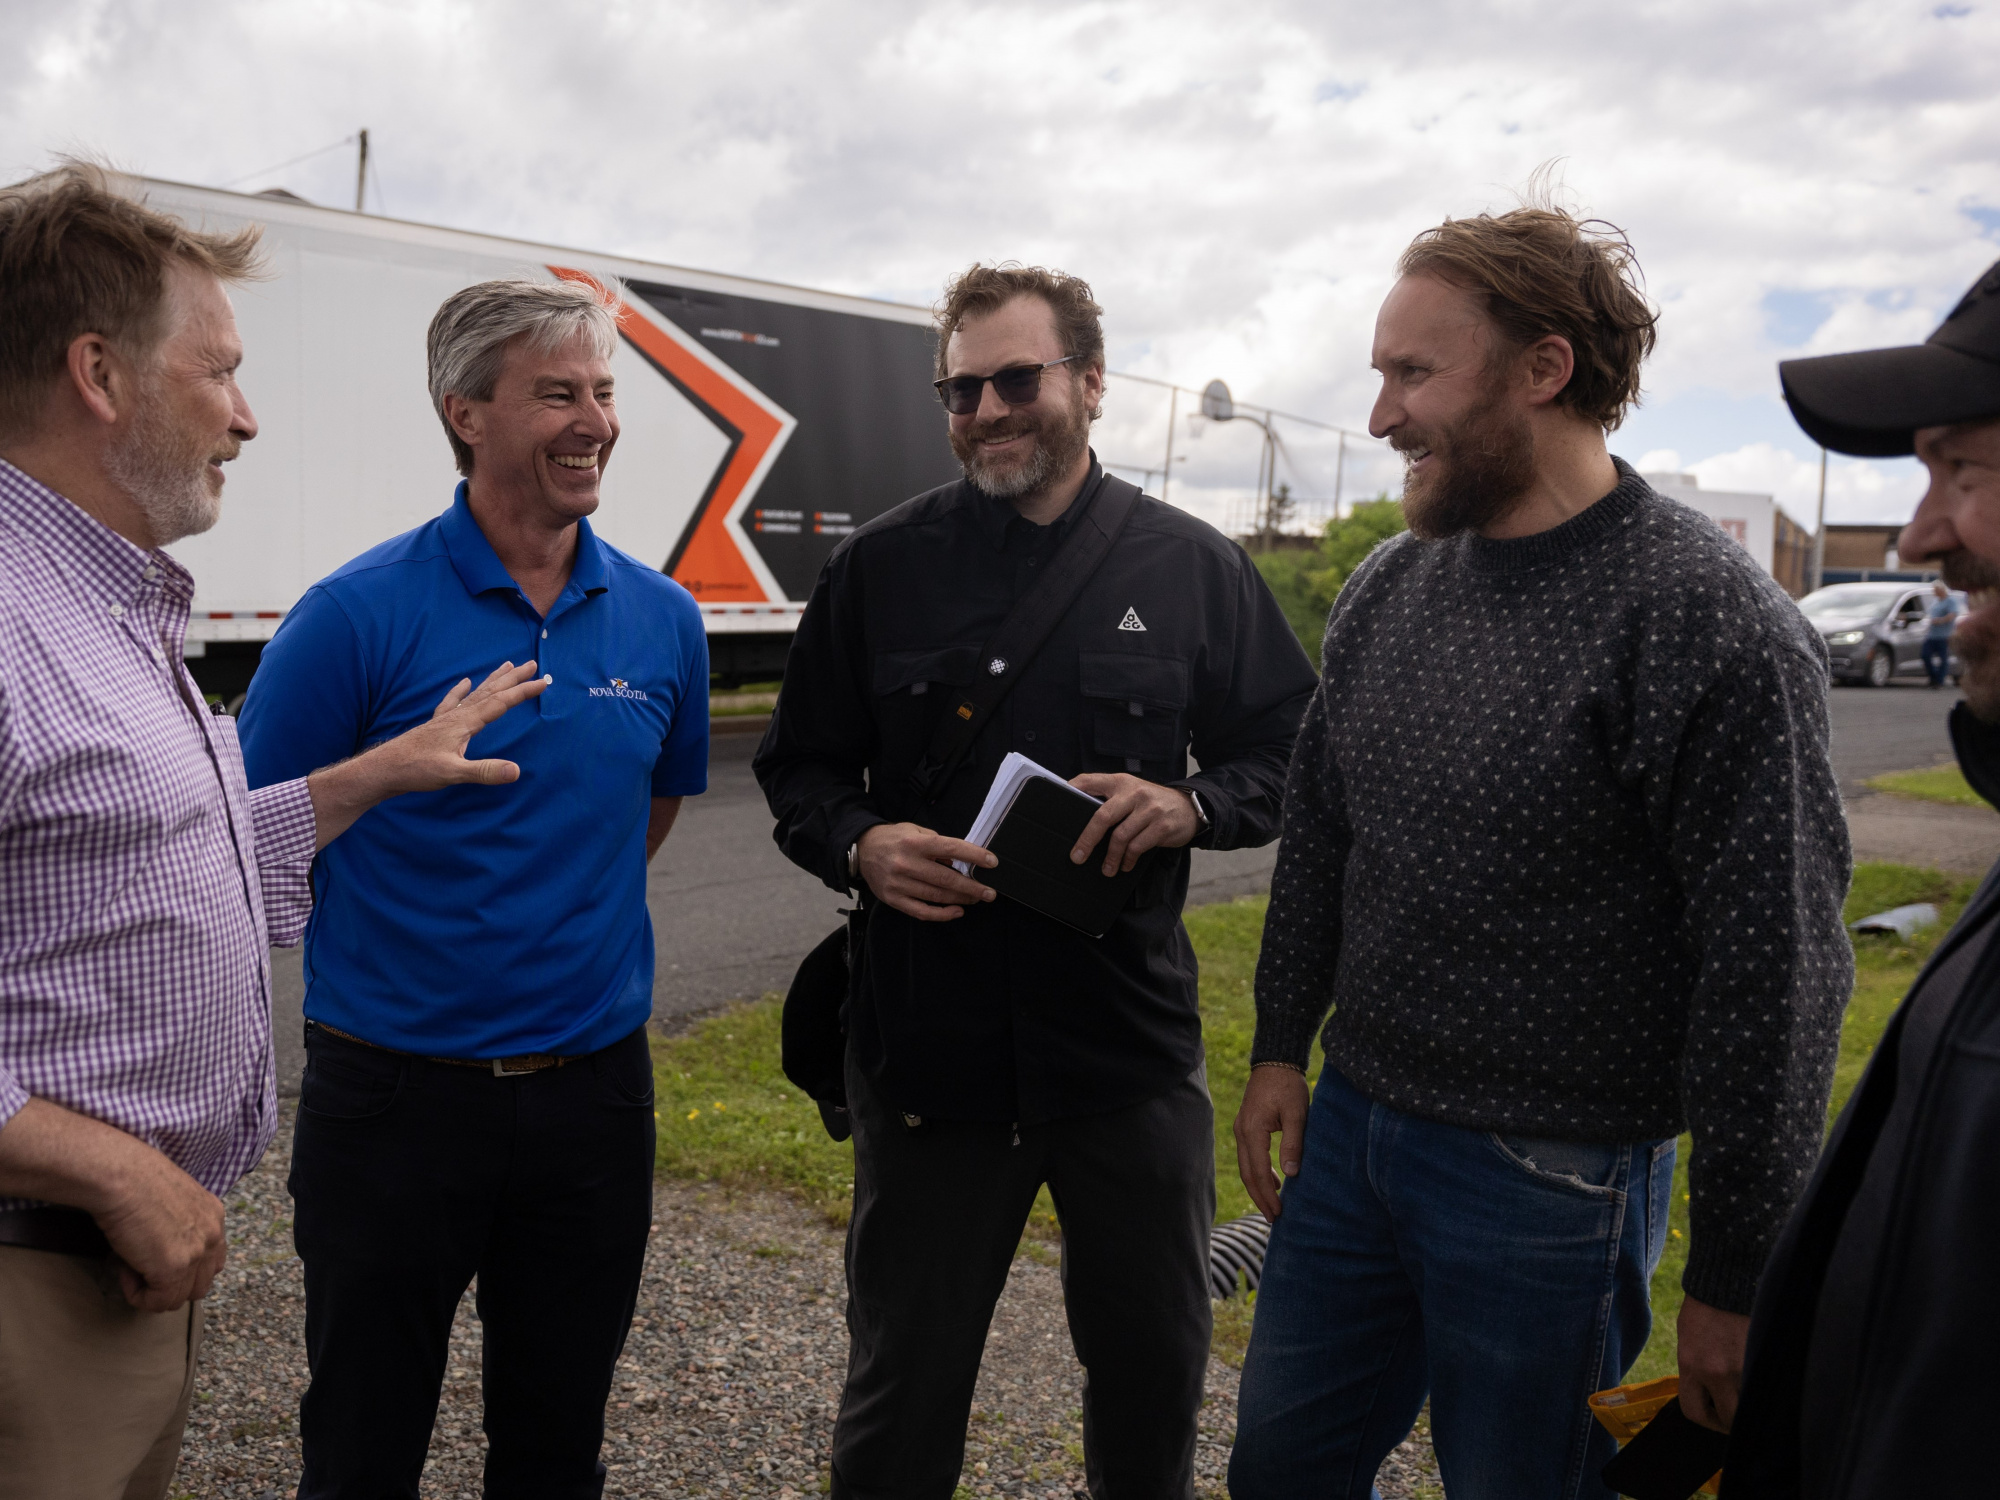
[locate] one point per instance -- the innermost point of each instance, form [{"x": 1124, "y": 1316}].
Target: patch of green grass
[
  {"x": 1230, "y": 1341},
  {"x": 728, "y": 1114},
  {"x": 724, "y": 705},
  {"x": 1226, "y": 938},
  {"x": 1939, "y": 784}
]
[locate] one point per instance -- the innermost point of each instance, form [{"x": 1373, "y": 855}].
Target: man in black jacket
[
  {"x": 991, "y": 1049},
  {"x": 1869, "y": 1370}
]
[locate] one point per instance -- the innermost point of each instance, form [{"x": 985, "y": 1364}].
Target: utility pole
[
  {"x": 1339, "y": 473},
  {"x": 1167, "y": 469},
  {"x": 361, "y": 174},
  {"x": 1819, "y": 531}
]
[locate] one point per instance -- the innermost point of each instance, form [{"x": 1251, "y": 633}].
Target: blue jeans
[
  {"x": 1504, "y": 1278},
  {"x": 1937, "y": 659}
]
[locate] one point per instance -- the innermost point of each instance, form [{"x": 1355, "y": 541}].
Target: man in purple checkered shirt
[{"x": 141, "y": 881}]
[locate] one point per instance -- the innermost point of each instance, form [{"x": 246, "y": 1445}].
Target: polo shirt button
[
  {"x": 150, "y": 573},
  {"x": 545, "y": 633},
  {"x": 117, "y": 611},
  {"x": 1031, "y": 736}
]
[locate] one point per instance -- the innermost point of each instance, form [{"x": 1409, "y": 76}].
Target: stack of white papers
[{"x": 1016, "y": 771}]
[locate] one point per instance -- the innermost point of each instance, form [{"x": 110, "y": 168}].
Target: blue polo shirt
[{"x": 487, "y": 921}]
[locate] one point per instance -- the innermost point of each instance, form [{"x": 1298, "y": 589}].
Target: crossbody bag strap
[{"x": 1029, "y": 623}]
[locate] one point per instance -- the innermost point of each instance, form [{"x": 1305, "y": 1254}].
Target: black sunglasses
[{"x": 1017, "y": 385}]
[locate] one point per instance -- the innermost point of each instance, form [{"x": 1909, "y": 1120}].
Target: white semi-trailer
[{"x": 761, "y": 423}]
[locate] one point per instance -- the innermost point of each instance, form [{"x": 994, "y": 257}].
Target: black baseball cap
[{"x": 1873, "y": 402}]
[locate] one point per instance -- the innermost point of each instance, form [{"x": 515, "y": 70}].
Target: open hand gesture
[{"x": 425, "y": 758}]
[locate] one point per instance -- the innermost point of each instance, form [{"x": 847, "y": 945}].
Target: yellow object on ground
[{"x": 1625, "y": 1409}]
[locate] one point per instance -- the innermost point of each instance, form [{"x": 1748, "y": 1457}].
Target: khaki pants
[{"x": 93, "y": 1392}]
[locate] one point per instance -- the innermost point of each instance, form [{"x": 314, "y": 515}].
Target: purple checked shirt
[{"x": 141, "y": 881}]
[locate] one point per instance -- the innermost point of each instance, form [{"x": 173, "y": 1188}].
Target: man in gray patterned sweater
[{"x": 1564, "y": 854}]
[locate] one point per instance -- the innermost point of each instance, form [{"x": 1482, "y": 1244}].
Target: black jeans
[
  {"x": 938, "y": 1211},
  {"x": 413, "y": 1177}
]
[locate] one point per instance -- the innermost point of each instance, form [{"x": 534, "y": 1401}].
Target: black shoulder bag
[{"x": 814, "y": 1031}]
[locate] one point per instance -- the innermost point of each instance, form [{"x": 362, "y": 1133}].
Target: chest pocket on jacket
[
  {"x": 1136, "y": 707},
  {"x": 910, "y": 690}
]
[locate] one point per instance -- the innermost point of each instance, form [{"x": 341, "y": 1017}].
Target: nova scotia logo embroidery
[
  {"x": 1131, "y": 620},
  {"x": 619, "y": 688}
]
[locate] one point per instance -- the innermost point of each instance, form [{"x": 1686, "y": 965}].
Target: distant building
[
  {"x": 1869, "y": 547},
  {"x": 1792, "y": 554},
  {"x": 1782, "y": 547}
]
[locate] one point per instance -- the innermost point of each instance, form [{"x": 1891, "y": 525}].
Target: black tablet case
[
  {"x": 1033, "y": 843},
  {"x": 1671, "y": 1458}
]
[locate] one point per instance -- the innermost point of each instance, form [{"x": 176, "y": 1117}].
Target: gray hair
[{"x": 468, "y": 338}]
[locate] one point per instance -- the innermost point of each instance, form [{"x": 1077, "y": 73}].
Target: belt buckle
[{"x": 501, "y": 1070}]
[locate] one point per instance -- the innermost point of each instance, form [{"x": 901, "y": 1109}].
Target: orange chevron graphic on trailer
[{"x": 713, "y": 563}]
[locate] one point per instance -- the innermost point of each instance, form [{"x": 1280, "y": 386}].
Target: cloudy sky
[{"x": 1798, "y": 176}]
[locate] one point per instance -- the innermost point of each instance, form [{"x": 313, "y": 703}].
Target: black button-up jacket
[{"x": 1175, "y": 643}]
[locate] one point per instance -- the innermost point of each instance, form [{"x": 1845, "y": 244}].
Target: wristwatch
[
  {"x": 1201, "y": 818},
  {"x": 854, "y": 861}
]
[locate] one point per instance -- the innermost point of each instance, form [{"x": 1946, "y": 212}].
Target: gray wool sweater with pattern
[{"x": 1564, "y": 853}]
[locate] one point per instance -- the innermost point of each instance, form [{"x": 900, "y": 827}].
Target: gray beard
[
  {"x": 1059, "y": 441},
  {"x": 1031, "y": 478},
  {"x": 1981, "y": 683},
  {"x": 162, "y": 473},
  {"x": 1963, "y": 569}
]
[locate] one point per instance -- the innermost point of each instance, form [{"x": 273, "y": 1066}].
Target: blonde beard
[{"x": 164, "y": 473}]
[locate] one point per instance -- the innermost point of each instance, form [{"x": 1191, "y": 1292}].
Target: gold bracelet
[{"x": 1274, "y": 1063}]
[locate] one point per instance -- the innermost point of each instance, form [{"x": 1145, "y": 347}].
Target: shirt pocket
[
  {"x": 910, "y": 692},
  {"x": 1135, "y": 710}
]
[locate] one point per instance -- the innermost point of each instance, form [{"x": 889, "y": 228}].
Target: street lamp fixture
[{"x": 1219, "y": 406}]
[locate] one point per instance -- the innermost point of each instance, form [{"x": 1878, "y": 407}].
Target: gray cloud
[{"x": 1236, "y": 181}]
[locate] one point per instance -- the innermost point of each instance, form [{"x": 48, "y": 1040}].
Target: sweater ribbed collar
[{"x": 1600, "y": 519}]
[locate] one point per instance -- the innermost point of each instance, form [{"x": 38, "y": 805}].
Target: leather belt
[
  {"x": 67, "y": 1231},
  {"x": 500, "y": 1067}
]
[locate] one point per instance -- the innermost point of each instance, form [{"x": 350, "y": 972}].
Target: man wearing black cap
[{"x": 1872, "y": 1342}]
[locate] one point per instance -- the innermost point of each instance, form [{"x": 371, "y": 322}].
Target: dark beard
[
  {"x": 1480, "y": 469},
  {"x": 1968, "y": 571},
  {"x": 1060, "y": 440}
]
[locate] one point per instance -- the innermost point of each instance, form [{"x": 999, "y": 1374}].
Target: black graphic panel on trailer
[{"x": 870, "y": 431}]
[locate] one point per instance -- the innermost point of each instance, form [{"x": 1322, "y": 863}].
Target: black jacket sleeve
[
  {"x": 814, "y": 757},
  {"x": 1253, "y": 694}
]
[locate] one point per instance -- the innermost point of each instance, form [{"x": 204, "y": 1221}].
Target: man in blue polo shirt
[{"x": 478, "y": 1096}]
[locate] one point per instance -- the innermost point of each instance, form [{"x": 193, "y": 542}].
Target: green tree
[{"x": 1306, "y": 582}]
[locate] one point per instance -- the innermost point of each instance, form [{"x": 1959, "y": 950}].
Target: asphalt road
[{"x": 732, "y": 917}]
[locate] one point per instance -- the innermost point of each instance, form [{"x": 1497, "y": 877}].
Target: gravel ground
[{"x": 728, "y": 1384}]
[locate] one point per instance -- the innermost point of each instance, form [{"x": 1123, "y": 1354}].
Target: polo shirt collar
[
  {"x": 479, "y": 566},
  {"x": 994, "y": 514}
]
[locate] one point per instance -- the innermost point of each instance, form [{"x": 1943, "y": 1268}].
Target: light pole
[
  {"x": 1819, "y": 530},
  {"x": 1218, "y": 406}
]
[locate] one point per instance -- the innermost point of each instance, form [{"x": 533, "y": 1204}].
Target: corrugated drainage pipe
[{"x": 1237, "y": 1249}]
